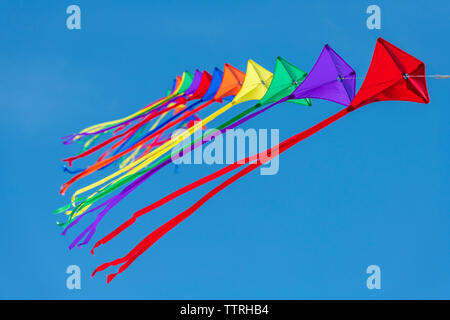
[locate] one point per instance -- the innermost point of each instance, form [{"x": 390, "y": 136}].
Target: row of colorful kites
[{"x": 141, "y": 144}]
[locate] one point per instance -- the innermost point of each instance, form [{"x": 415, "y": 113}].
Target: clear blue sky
[{"x": 371, "y": 189}]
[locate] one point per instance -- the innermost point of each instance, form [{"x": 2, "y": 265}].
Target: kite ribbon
[
  {"x": 147, "y": 159},
  {"x": 98, "y": 165},
  {"x": 111, "y": 124},
  {"x": 150, "y": 239},
  {"x": 129, "y": 131},
  {"x": 230, "y": 124}
]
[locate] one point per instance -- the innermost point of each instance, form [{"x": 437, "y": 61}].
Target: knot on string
[{"x": 405, "y": 76}]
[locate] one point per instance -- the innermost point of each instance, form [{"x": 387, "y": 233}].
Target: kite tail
[
  {"x": 77, "y": 218},
  {"x": 105, "y": 162},
  {"x": 163, "y": 201},
  {"x": 237, "y": 120},
  {"x": 227, "y": 125},
  {"x": 71, "y": 171},
  {"x": 120, "y": 128},
  {"x": 162, "y": 230},
  {"x": 160, "y": 103},
  {"x": 158, "y": 233},
  {"x": 110, "y": 204},
  {"x": 108, "y": 141}
]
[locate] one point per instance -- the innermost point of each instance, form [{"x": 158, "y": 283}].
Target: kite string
[
  {"x": 435, "y": 76},
  {"x": 350, "y": 78}
]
